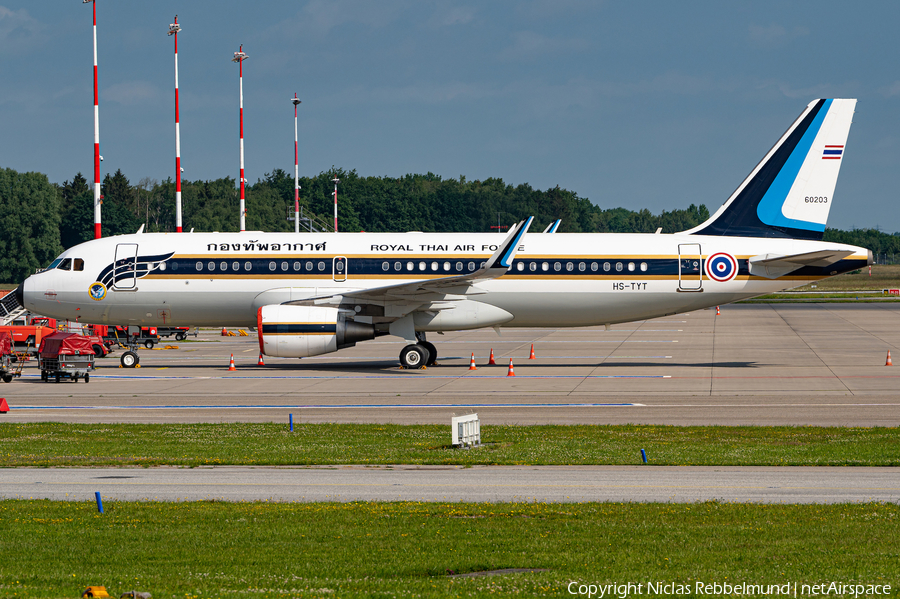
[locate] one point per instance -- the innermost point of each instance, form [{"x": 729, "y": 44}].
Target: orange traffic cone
[
  {"x": 224, "y": 332},
  {"x": 472, "y": 362},
  {"x": 717, "y": 311},
  {"x": 4, "y": 407},
  {"x": 531, "y": 357},
  {"x": 491, "y": 362},
  {"x": 231, "y": 365},
  {"x": 888, "y": 362},
  {"x": 511, "y": 371},
  {"x": 260, "y": 361}
]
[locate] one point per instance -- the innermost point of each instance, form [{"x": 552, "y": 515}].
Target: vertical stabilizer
[{"x": 790, "y": 192}]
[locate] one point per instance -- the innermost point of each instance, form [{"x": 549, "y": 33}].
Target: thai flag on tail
[{"x": 833, "y": 152}]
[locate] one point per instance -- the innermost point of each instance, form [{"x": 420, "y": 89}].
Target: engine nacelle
[{"x": 302, "y": 331}]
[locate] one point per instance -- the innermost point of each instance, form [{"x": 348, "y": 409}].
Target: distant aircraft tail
[{"x": 791, "y": 190}]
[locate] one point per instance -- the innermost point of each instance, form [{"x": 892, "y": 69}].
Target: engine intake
[{"x": 302, "y": 331}]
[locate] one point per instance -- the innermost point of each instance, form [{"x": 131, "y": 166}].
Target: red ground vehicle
[
  {"x": 6, "y": 370},
  {"x": 66, "y": 355},
  {"x": 27, "y": 339},
  {"x": 128, "y": 335}
]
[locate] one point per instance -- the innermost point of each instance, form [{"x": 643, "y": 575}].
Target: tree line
[{"x": 40, "y": 218}]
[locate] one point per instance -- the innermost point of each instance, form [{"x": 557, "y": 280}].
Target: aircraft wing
[
  {"x": 772, "y": 266},
  {"x": 428, "y": 292}
]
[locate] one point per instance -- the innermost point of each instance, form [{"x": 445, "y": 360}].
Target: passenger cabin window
[
  {"x": 78, "y": 264},
  {"x": 66, "y": 264}
]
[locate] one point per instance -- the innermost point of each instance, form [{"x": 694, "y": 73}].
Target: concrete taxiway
[
  {"x": 792, "y": 364},
  {"x": 561, "y": 484}
]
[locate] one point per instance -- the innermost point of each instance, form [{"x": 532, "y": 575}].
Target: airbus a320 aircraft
[{"x": 313, "y": 293}]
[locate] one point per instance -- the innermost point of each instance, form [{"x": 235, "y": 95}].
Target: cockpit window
[
  {"x": 54, "y": 264},
  {"x": 78, "y": 264},
  {"x": 66, "y": 264}
]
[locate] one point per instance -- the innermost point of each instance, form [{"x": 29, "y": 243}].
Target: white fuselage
[{"x": 556, "y": 280}]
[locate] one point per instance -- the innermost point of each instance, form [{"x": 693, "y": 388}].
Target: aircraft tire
[
  {"x": 432, "y": 352},
  {"x": 413, "y": 356},
  {"x": 129, "y": 359}
]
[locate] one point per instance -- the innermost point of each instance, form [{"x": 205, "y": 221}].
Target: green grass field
[
  {"x": 57, "y": 444},
  {"x": 884, "y": 276},
  {"x": 208, "y": 549}
]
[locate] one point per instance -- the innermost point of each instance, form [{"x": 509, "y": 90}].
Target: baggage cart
[{"x": 66, "y": 355}]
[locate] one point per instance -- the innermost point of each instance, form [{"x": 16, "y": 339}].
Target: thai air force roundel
[{"x": 721, "y": 267}]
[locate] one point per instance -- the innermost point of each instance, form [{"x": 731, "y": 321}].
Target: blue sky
[{"x": 636, "y": 104}]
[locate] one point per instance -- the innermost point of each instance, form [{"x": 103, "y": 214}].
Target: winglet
[
  {"x": 552, "y": 227},
  {"x": 504, "y": 255}
]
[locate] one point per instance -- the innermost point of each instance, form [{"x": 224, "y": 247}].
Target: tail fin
[{"x": 790, "y": 191}]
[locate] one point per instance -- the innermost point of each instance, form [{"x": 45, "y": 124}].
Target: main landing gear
[{"x": 418, "y": 354}]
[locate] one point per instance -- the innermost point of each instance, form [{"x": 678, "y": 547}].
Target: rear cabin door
[
  {"x": 126, "y": 260},
  {"x": 690, "y": 271}
]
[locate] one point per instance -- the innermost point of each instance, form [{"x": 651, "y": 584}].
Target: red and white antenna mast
[
  {"x": 240, "y": 57},
  {"x": 97, "y": 157},
  {"x": 174, "y": 28},
  {"x": 336, "y": 181},
  {"x": 296, "y": 102}
]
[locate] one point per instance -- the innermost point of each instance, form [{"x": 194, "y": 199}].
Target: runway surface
[
  {"x": 455, "y": 483},
  {"x": 773, "y": 364}
]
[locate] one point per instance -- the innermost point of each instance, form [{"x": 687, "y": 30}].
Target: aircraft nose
[{"x": 25, "y": 293}]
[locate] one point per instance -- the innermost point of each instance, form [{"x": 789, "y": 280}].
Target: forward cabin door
[
  {"x": 690, "y": 271},
  {"x": 126, "y": 261}
]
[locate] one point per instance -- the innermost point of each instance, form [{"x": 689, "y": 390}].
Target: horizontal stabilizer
[{"x": 772, "y": 266}]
